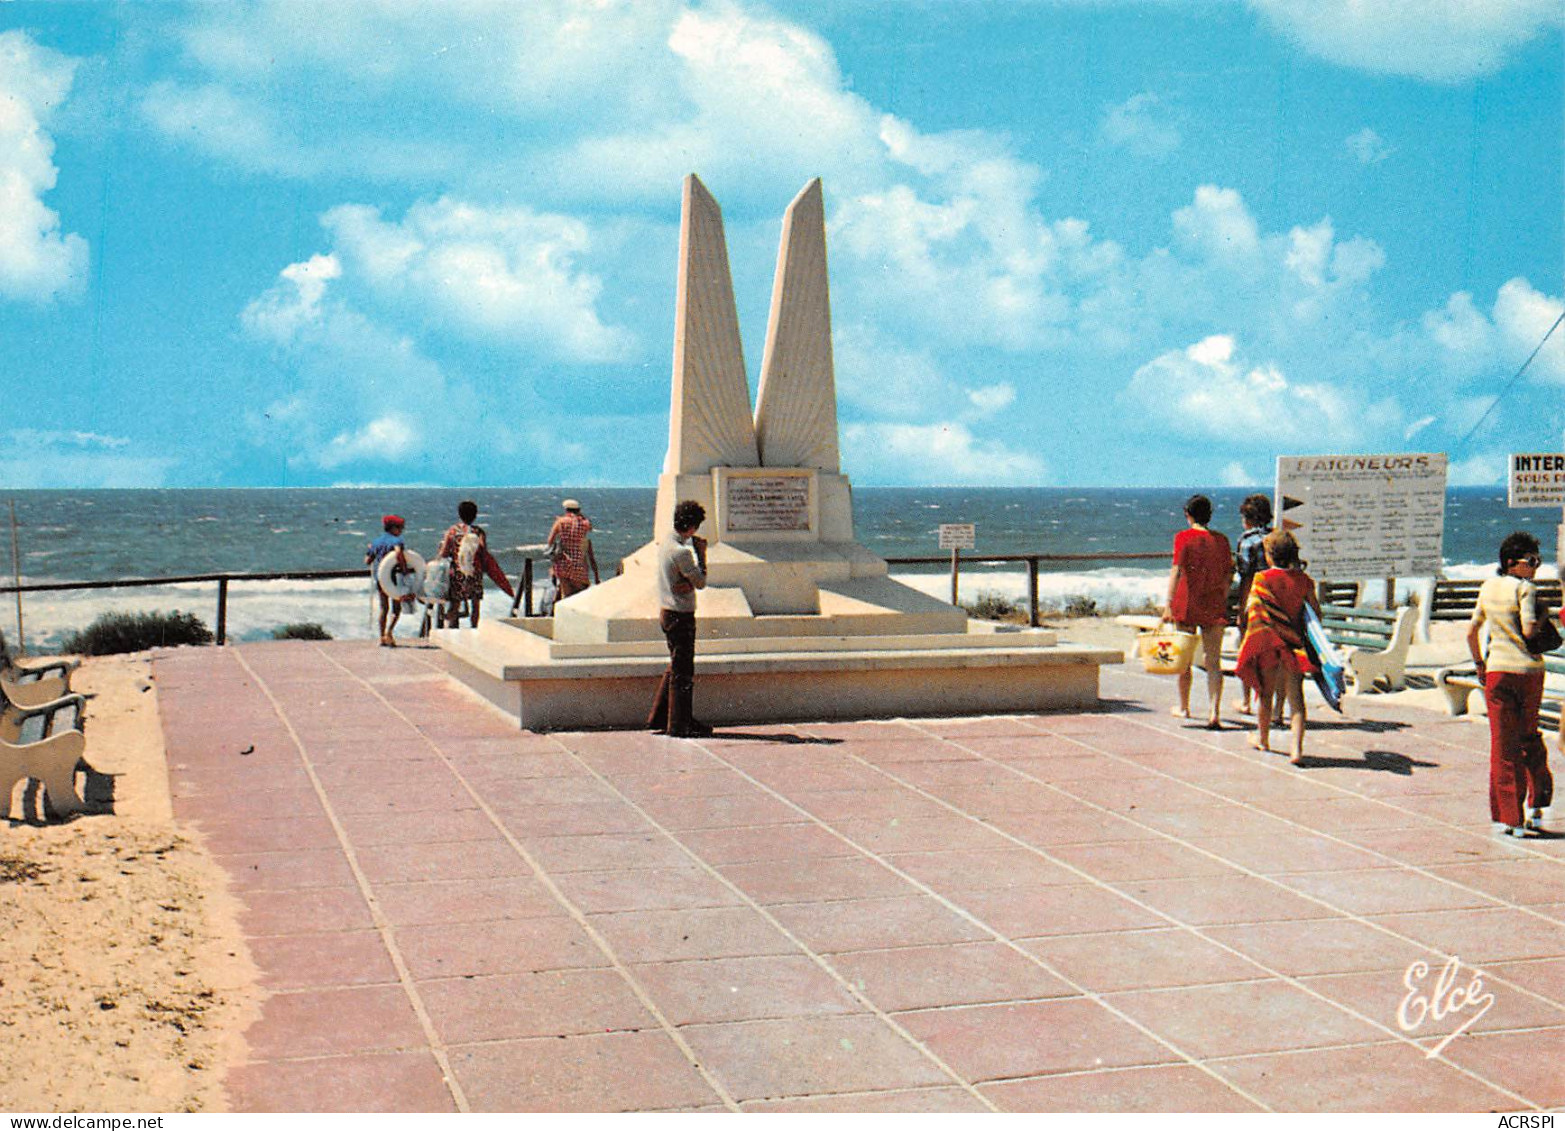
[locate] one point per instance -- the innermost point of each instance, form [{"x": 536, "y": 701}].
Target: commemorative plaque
[{"x": 766, "y": 504}]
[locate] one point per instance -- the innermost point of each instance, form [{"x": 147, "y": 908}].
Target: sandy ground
[{"x": 123, "y": 981}]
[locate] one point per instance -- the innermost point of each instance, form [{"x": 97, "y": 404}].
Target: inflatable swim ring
[{"x": 398, "y": 584}]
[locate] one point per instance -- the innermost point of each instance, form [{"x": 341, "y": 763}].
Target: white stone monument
[{"x": 798, "y": 621}]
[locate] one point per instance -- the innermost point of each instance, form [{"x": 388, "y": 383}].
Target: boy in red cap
[{"x": 388, "y": 543}]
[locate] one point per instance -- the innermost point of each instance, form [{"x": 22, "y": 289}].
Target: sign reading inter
[{"x": 1537, "y": 479}]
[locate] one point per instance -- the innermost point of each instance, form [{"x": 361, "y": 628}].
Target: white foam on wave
[
  {"x": 1111, "y": 591},
  {"x": 345, "y": 606}
]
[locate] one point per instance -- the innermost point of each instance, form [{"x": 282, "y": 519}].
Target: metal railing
[
  {"x": 1032, "y": 561},
  {"x": 524, "y": 580}
]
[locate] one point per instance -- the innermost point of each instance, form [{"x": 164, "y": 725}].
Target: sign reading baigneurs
[
  {"x": 1365, "y": 516},
  {"x": 1537, "y": 479}
]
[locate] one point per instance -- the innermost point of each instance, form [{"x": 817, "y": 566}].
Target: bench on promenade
[
  {"x": 44, "y": 743},
  {"x": 1375, "y": 642},
  {"x": 1459, "y": 681},
  {"x": 1455, "y": 599}
]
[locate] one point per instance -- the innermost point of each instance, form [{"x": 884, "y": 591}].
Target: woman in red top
[
  {"x": 1272, "y": 658},
  {"x": 1198, "y": 600}
]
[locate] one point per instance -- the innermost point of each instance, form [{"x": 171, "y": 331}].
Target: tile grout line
[
  {"x": 382, "y": 925},
  {"x": 1521, "y": 846},
  {"x": 1192, "y": 928},
  {"x": 1200, "y": 931},
  {"x": 1398, "y": 865},
  {"x": 574, "y": 912},
  {"x": 998, "y": 936},
  {"x": 817, "y": 958},
  {"x": 1421, "y": 869}
]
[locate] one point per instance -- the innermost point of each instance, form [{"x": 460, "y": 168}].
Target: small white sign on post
[
  {"x": 1537, "y": 479},
  {"x": 957, "y": 536},
  {"x": 1365, "y": 516}
]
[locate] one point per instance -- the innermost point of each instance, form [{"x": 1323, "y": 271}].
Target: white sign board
[
  {"x": 957, "y": 536},
  {"x": 1365, "y": 516},
  {"x": 1537, "y": 479}
]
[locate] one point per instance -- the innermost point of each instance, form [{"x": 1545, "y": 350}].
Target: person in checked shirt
[{"x": 570, "y": 551}]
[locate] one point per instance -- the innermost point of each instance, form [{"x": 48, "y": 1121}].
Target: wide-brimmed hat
[{"x": 571, "y": 505}]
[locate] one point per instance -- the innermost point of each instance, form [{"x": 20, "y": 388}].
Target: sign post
[
  {"x": 956, "y": 537},
  {"x": 1358, "y": 516}
]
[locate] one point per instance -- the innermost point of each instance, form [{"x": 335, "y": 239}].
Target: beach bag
[
  {"x": 437, "y": 580},
  {"x": 1545, "y": 636},
  {"x": 468, "y": 551},
  {"x": 1167, "y": 651}
]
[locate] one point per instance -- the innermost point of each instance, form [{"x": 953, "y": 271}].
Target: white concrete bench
[
  {"x": 1375, "y": 642},
  {"x": 1459, "y": 681}
]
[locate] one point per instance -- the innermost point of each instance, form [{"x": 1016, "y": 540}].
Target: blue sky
[{"x": 1073, "y": 242}]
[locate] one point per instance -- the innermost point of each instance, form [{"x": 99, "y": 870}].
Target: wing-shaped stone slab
[
  {"x": 709, "y": 416},
  {"x": 796, "y": 413}
]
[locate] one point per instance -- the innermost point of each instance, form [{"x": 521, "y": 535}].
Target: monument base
[{"x": 759, "y": 680}]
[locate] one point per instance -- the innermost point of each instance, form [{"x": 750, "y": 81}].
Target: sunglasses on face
[{"x": 1533, "y": 560}]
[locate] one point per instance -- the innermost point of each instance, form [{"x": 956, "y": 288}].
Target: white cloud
[
  {"x": 295, "y": 303},
  {"x": 992, "y": 398},
  {"x": 1522, "y": 316},
  {"x": 38, "y": 263},
  {"x": 1234, "y": 474},
  {"x": 1441, "y": 40},
  {"x": 1487, "y": 469},
  {"x": 882, "y": 378},
  {"x": 507, "y": 274},
  {"x": 1367, "y": 147},
  {"x": 390, "y": 437},
  {"x": 354, "y": 385},
  {"x": 38, "y": 438},
  {"x": 41, "y": 459},
  {"x": 1135, "y": 125},
  {"x": 941, "y": 454},
  {"x": 1207, "y": 390},
  {"x": 1218, "y": 226},
  {"x": 1465, "y": 343}
]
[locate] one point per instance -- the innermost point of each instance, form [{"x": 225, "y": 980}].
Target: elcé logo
[{"x": 1441, "y": 1000}]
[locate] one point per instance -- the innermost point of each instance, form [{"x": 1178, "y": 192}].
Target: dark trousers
[
  {"x": 1518, "y": 760},
  {"x": 671, "y": 709}
]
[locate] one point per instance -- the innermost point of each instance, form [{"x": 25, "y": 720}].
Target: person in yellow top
[{"x": 1512, "y": 680}]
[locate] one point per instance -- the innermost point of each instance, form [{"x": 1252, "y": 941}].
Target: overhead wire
[{"x": 1514, "y": 378}]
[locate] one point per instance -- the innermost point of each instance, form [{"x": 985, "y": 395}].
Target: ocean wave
[{"x": 345, "y": 606}]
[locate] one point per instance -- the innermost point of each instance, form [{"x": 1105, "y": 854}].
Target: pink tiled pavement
[{"x": 1106, "y": 910}]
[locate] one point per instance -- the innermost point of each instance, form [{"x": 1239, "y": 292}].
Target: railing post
[
  {"x": 1032, "y": 591},
  {"x": 527, "y": 588},
  {"x": 222, "y": 609}
]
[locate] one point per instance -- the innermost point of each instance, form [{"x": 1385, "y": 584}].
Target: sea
[{"x": 106, "y": 535}]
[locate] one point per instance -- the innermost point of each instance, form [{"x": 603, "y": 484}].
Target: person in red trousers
[{"x": 1520, "y": 785}]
